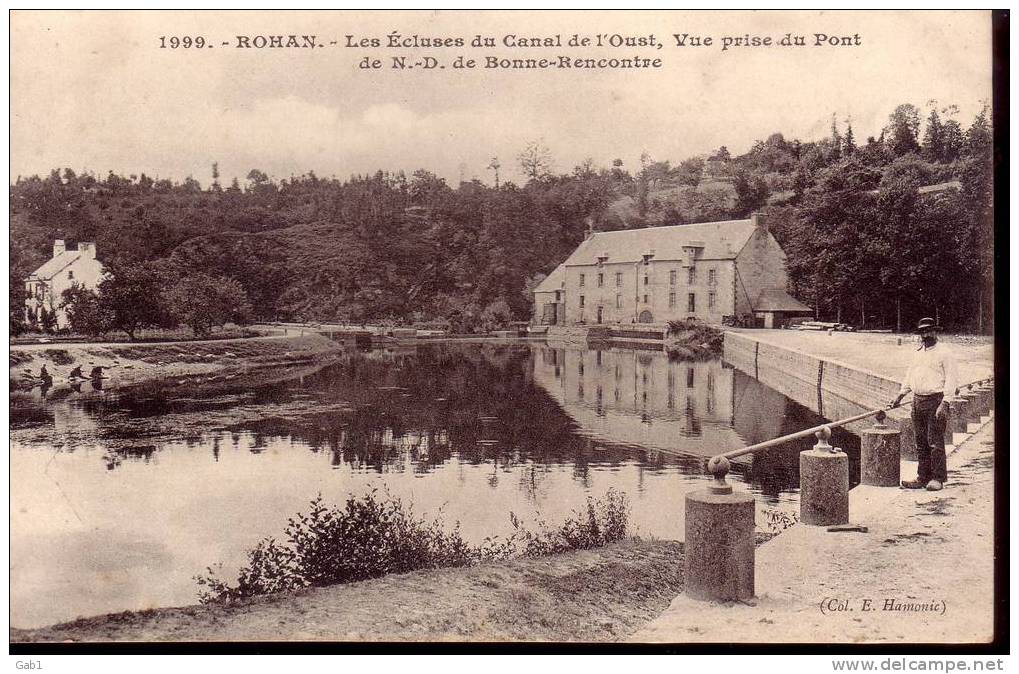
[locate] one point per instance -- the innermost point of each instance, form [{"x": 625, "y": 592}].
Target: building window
[
  {"x": 672, "y": 277},
  {"x": 712, "y": 280},
  {"x": 645, "y": 299},
  {"x": 619, "y": 279},
  {"x": 711, "y": 300},
  {"x": 691, "y": 275},
  {"x": 558, "y": 295},
  {"x": 70, "y": 275},
  {"x": 645, "y": 279},
  {"x": 601, "y": 280},
  {"x": 689, "y": 377},
  {"x": 581, "y": 280},
  {"x": 619, "y": 301},
  {"x": 672, "y": 299},
  {"x": 582, "y": 300},
  {"x": 691, "y": 303}
]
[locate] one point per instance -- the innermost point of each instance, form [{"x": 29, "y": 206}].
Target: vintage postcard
[{"x": 574, "y": 327}]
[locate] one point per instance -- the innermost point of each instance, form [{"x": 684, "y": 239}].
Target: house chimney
[
  {"x": 87, "y": 249},
  {"x": 759, "y": 221},
  {"x": 590, "y": 228},
  {"x": 58, "y": 247}
]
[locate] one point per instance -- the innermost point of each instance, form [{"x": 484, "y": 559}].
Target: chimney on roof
[
  {"x": 759, "y": 221},
  {"x": 87, "y": 249},
  {"x": 589, "y": 232},
  {"x": 58, "y": 247}
]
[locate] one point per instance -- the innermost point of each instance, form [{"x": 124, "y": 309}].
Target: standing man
[{"x": 933, "y": 379}]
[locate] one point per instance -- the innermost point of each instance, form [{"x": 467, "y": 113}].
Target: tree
[
  {"x": 256, "y": 179},
  {"x": 953, "y": 141},
  {"x": 903, "y": 128},
  {"x": 850, "y": 142},
  {"x": 494, "y": 166},
  {"x": 934, "y": 137},
  {"x": 202, "y": 302},
  {"x": 535, "y": 160},
  {"x": 496, "y": 316},
  {"x": 690, "y": 170},
  {"x": 131, "y": 296},
  {"x": 979, "y": 140},
  {"x": 751, "y": 193},
  {"x": 48, "y": 321},
  {"x": 86, "y": 314},
  {"x": 836, "y": 141}
]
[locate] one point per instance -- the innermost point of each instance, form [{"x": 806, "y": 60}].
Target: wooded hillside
[{"x": 865, "y": 245}]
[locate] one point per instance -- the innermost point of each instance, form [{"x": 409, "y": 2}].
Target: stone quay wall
[{"x": 832, "y": 389}]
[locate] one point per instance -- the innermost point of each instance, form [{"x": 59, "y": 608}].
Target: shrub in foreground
[{"x": 371, "y": 536}]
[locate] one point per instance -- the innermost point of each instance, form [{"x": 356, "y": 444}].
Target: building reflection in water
[{"x": 678, "y": 408}]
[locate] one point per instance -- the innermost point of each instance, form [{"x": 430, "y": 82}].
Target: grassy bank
[
  {"x": 693, "y": 340},
  {"x": 134, "y": 363},
  {"x": 603, "y": 594}
]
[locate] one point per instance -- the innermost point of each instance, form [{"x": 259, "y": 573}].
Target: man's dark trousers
[{"x": 929, "y": 432}]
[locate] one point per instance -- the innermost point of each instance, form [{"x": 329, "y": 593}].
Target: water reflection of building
[{"x": 642, "y": 398}]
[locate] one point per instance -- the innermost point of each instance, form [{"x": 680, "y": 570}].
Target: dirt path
[
  {"x": 593, "y": 595},
  {"x": 932, "y": 551},
  {"x": 882, "y": 353}
]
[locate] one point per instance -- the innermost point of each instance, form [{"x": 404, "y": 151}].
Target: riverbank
[
  {"x": 923, "y": 572},
  {"x": 126, "y": 364},
  {"x": 603, "y": 594}
]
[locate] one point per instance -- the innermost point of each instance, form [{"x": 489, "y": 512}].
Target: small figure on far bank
[
  {"x": 44, "y": 373},
  {"x": 96, "y": 373},
  {"x": 76, "y": 373},
  {"x": 932, "y": 377}
]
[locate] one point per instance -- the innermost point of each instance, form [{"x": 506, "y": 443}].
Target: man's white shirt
[{"x": 933, "y": 370}]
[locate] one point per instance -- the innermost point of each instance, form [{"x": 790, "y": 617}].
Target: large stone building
[
  {"x": 45, "y": 286},
  {"x": 708, "y": 271}
]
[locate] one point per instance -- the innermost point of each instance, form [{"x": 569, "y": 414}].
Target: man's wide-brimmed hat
[{"x": 927, "y": 324}]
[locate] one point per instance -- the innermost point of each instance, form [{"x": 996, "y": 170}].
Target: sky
[{"x": 94, "y": 91}]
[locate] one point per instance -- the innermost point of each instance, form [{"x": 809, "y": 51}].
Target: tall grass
[{"x": 369, "y": 537}]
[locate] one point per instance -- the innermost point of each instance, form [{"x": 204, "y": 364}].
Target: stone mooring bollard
[
  {"x": 824, "y": 483},
  {"x": 983, "y": 399},
  {"x": 986, "y": 393},
  {"x": 719, "y": 543},
  {"x": 880, "y": 455},
  {"x": 973, "y": 407},
  {"x": 958, "y": 417}
]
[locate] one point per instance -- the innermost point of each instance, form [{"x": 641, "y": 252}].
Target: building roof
[
  {"x": 54, "y": 265},
  {"x": 777, "y": 299},
  {"x": 940, "y": 187},
  {"x": 553, "y": 281},
  {"x": 720, "y": 241}
]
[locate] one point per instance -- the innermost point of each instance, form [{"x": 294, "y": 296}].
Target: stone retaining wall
[{"x": 832, "y": 389}]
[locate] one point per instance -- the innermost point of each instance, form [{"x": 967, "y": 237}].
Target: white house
[{"x": 45, "y": 286}]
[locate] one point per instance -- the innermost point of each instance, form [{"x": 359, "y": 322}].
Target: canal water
[{"x": 119, "y": 497}]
